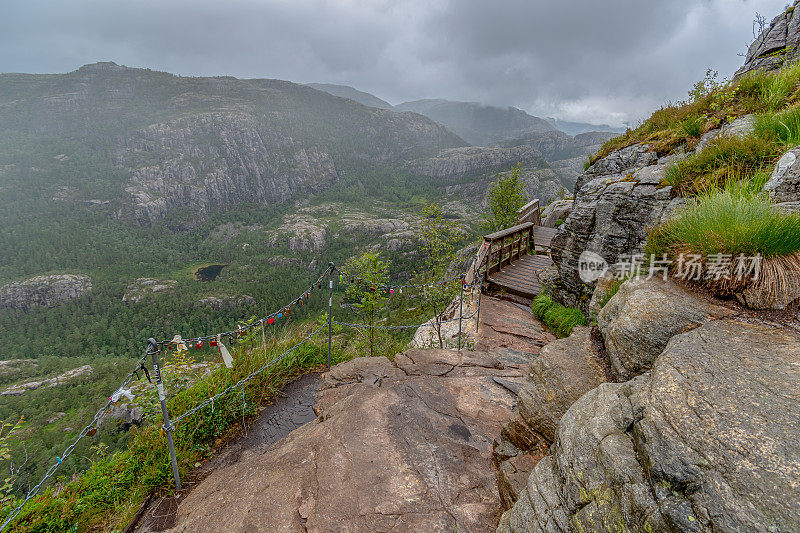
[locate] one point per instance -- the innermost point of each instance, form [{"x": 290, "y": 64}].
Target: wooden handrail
[
  {"x": 530, "y": 212},
  {"x": 503, "y": 233},
  {"x": 503, "y": 247}
]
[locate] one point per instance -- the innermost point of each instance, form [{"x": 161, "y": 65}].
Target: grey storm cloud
[{"x": 612, "y": 61}]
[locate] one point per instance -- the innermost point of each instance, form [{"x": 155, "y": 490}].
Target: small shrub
[
  {"x": 693, "y": 126},
  {"x": 561, "y": 320},
  {"x": 506, "y": 196},
  {"x": 783, "y": 127}
]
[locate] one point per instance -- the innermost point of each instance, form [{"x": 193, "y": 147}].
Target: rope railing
[
  {"x": 71, "y": 448},
  {"x": 345, "y": 276},
  {"x": 259, "y": 321},
  {"x": 252, "y": 375},
  {"x": 155, "y": 348}
]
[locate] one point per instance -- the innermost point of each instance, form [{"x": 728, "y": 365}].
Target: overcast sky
[{"x": 589, "y": 60}]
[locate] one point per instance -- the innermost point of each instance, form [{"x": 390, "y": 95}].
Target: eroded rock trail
[
  {"x": 697, "y": 432},
  {"x": 395, "y": 446}
]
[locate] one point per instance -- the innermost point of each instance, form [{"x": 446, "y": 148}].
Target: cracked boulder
[
  {"x": 403, "y": 446},
  {"x": 706, "y": 441},
  {"x": 562, "y": 372},
  {"x": 643, "y": 316},
  {"x": 617, "y": 200}
]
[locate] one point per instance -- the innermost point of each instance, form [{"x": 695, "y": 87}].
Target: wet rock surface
[
  {"x": 401, "y": 446},
  {"x": 406, "y": 449},
  {"x": 293, "y": 408}
]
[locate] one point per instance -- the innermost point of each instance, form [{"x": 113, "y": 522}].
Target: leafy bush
[
  {"x": 561, "y": 320},
  {"x": 506, "y": 197}
]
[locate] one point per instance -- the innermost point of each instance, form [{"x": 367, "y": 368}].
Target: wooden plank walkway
[
  {"x": 543, "y": 237},
  {"x": 520, "y": 277}
]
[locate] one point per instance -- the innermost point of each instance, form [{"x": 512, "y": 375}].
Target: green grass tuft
[
  {"x": 561, "y": 320},
  {"x": 735, "y": 220},
  {"x": 783, "y": 127},
  {"x": 725, "y": 159},
  {"x": 693, "y": 126}
]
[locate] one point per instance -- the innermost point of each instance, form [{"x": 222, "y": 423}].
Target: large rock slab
[
  {"x": 403, "y": 446},
  {"x": 643, "y": 316},
  {"x": 618, "y": 201},
  {"x": 707, "y": 441},
  {"x": 564, "y": 371},
  {"x": 784, "y": 183},
  {"x": 504, "y": 324},
  {"x": 46, "y": 291}
]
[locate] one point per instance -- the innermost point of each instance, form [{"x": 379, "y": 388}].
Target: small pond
[{"x": 208, "y": 273}]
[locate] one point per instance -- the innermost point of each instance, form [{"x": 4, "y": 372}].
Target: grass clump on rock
[
  {"x": 561, "y": 320},
  {"x": 735, "y": 221}
]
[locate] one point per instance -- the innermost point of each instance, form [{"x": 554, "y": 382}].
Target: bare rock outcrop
[
  {"x": 776, "y": 46},
  {"x": 555, "y": 212},
  {"x": 218, "y": 303},
  {"x": 457, "y": 163},
  {"x": 47, "y": 291},
  {"x": 403, "y": 446},
  {"x": 144, "y": 287},
  {"x": 616, "y": 201},
  {"x": 22, "y": 388},
  {"x": 643, "y": 316},
  {"x": 784, "y": 182},
  {"x": 706, "y": 441}
]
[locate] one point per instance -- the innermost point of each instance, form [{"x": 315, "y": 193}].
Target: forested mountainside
[{"x": 119, "y": 185}]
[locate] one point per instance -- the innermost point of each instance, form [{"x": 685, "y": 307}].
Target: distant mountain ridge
[
  {"x": 345, "y": 91},
  {"x": 478, "y": 124},
  {"x": 577, "y": 128},
  {"x": 209, "y": 143}
]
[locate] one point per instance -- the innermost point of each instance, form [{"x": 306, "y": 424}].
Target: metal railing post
[
  {"x": 460, "y": 312},
  {"x": 330, "y": 309},
  {"x": 152, "y": 348}
]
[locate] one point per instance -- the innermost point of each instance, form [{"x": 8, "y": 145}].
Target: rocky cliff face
[
  {"x": 617, "y": 200},
  {"x": 215, "y": 160},
  {"x": 459, "y": 163},
  {"x": 703, "y": 437},
  {"x": 47, "y": 291},
  {"x": 186, "y": 147},
  {"x": 778, "y": 44}
]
